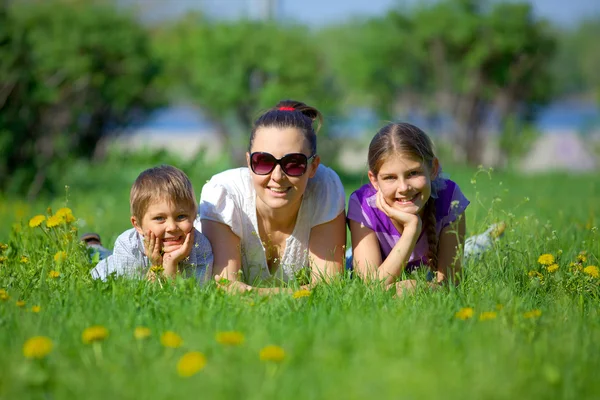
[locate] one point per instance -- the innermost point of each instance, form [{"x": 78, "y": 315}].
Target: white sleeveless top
[{"x": 229, "y": 198}]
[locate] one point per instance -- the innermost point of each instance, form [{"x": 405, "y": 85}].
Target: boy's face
[{"x": 169, "y": 221}]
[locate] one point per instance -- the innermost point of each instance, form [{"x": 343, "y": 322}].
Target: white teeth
[{"x": 278, "y": 190}]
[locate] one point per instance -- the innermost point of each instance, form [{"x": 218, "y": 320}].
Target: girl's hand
[
  {"x": 153, "y": 248},
  {"x": 406, "y": 287},
  {"x": 231, "y": 286},
  {"x": 173, "y": 258},
  {"x": 399, "y": 218}
]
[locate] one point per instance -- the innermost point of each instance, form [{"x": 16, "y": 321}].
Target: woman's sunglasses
[{"x": 293, "y": 164}]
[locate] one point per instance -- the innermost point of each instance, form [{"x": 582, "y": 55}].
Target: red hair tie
[{"x": 286, "y": 109}]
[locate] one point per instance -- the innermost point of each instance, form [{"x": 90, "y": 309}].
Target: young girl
[{"x": 408, "y": 214}]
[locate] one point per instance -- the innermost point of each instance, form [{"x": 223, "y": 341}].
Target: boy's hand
[
  {"x": 172, "y": 259},
  {"x": 153, "y": 248},
  {"x": 399, "y": 218}
]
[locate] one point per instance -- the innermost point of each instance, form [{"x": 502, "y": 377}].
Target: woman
[{"x": 281, "y": 216}]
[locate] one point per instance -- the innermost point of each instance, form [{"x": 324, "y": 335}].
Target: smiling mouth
[
  {"x": 279, "y": 190},
  {"x": 171, "y": 241},
  {"x": 409, "y": 200}
]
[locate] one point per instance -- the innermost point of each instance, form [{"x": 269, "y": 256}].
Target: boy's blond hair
[{"x": 160, "y": 183}]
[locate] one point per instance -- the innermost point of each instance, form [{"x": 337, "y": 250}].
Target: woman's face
[{"x": 277, "y": 190}]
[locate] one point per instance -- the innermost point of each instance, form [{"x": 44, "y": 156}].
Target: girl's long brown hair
[{"x": 404, "y": 138}]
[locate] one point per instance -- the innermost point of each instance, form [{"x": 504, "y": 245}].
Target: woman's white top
[{"x": 229, "y": 198}]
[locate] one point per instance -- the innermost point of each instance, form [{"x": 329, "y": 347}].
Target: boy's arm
[
  {"x": 126, "y": 260},
  {"x": 201, "y": 258}
]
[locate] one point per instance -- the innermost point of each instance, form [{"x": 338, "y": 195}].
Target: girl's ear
[
  {"x": 248, "y": 160},
  {"x": 373, "y": 180},
  {"x": 435, "y": 168},
  {"x": 137, "y": 225}
]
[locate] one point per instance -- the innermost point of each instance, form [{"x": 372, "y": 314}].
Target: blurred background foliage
[{"x": 73, "y": 73}]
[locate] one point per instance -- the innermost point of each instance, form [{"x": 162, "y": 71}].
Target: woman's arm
[
  {"x": 449, "y": 262},
  {"x": 227, "y": 259},
  {"x": 367, "y": 256},
  {"x": 326, "y": 248}
]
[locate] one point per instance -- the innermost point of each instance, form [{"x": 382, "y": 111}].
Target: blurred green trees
[
  {"x": 69, "y": 71},
  {"x": 233, "y": 70},
  {"x": 72, "y": 71},
  {"x": 465, "y": 59}
]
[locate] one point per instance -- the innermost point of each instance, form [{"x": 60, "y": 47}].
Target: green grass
[{"x": 346, "y": 340}]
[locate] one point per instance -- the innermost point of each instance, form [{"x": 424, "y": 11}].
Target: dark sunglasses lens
[
  {"x": 294, "y": 164},
  {"x": 262, "y": 163}
]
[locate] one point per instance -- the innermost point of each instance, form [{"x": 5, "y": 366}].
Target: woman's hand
[
  {"x": 400, "y": 219},
  {"x": 231, "y": 286}
]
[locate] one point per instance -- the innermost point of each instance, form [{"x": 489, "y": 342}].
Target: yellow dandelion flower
[
  {"x": 20, "y": 303},
  {"x": 36, "y": 221},
  {"x": 157, "y": 269},
  {"x": 63, "y": 212},
  {"x": 532, "y": 314},
  {"x": 141, "y": 332},
  {"x": 4, "y": 295},
  {"x": 487, "y": 315},
  {"x": 3, "y": 259},
  {"x": 24, "y": 259},
  {"x": 552, "y": 268},
  {"x": 592, "y": 271},
  {"x": 96, "y": 333},
  {"x": 171, "y": 339},
  {"x": 60, "y": 256},
  {"x": 36, "y": 309},
  {"x": 535, "y": 274},
  {"x": 54, "y": 274},
  {"x": 190, "y": 363},
  {"x": 272, "y": 353},
  {"x": 464, "y": 313},
  {"x": 546, "y": 259},
  {"x": 3, "y": 246},
  {"x": 582, "y": 257},
  {"x": 301, "y": 293},
  {"x": 53, "y": 221},
  {"x": 231, "y": 338},
  {"x": 37, "y": 347}
]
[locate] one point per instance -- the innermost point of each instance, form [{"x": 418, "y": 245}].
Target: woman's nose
[{"x": 277, "y": 173}]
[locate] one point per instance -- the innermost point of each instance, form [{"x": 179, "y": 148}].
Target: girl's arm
[
  {"x": 326, "y": 248},
  {"x": 449, "y": 262},
  {"x": 367, "y": 256}
]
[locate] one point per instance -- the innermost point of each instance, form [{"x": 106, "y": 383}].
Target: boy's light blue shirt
[{"x": 129, "y": 258}]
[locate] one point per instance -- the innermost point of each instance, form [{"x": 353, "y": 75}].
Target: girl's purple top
[{"x": 449, "y": 204}]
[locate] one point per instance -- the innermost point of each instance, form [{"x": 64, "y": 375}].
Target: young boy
[{"x": 163, "y": 240}]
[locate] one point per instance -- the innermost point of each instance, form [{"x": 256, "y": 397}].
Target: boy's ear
[
  {"x": 136, "y": 225},
  {"x": 373, "y": 180},
  {"x": 435, "y": 168}
]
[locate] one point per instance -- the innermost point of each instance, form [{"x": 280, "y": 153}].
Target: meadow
[{"x": 524, "y": 322}]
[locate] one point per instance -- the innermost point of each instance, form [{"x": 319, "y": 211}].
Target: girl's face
[
  {"x": 276, "y": 189},
  {"x": 405, "y": 182}
]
